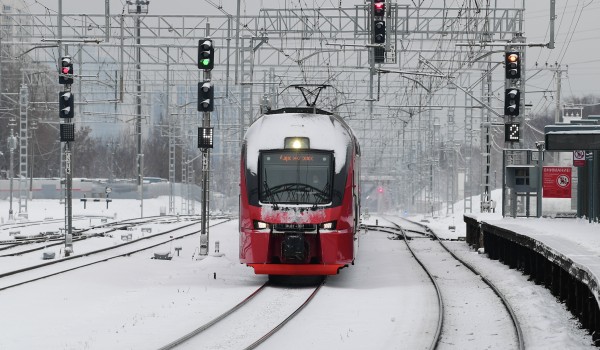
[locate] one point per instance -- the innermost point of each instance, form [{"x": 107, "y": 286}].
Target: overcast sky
[{"x": 577, "y": 32}]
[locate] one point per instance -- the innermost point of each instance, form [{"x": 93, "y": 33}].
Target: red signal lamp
[{"x": 379, "y": 9}]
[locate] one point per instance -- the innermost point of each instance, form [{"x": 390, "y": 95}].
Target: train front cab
[{"x": 287, "y": 233}]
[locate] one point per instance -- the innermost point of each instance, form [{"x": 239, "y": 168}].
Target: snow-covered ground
[{"x": 382, "y": 302}]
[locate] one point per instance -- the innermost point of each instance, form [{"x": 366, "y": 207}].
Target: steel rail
[
  {"x": 214, "y": 321},
  {"x": 227, "y": 313},
  {"x": 438, "y": 331},
  {"x": 394, "y": 230},
  {"x": 59, "y": 238},
  {"x": 93, "y": 253},
  {"x": 284, "y": 322},
  {"x": 505, "y": 303}
]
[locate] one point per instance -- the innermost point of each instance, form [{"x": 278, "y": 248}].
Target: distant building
[{"x": 15, "y": 24}]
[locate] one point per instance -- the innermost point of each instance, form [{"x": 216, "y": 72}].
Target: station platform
[{"x": 561, "y": 254}]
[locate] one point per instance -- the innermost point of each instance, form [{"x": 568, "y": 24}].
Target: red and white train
[{"x": 300, "y": 200}]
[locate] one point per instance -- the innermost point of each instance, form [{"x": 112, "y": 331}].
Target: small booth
[
  {"x": 583, "y": 138},
  {"x": 521, "y": 193}
]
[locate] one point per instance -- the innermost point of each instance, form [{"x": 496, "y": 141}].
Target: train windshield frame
[{"x": 296, "y": 177}]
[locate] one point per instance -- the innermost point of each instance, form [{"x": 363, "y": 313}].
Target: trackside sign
[
  {"x": 579, "y": 158},
  {"x": 556, "y": 182}
]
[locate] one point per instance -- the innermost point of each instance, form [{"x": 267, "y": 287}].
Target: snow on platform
[{"x": 562, "y": 254}]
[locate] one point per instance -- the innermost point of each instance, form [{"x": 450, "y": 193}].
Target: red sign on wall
[{"x": 556, "y": 182}]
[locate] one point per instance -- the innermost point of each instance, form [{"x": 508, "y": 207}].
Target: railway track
[
  {"x": 434, "y": 257},
  {"x": 16, "y": 276},
  {"x": 24, "y": 245},
  {"x": 273, "y": 305}
]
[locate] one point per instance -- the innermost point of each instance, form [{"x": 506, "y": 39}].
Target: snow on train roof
[{"x": 324, "y": 131}]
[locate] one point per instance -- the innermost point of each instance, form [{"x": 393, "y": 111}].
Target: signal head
[
  {"x": 65, "y": 75},
  {"x": 206, "y": 54},
  {"x": 379, "y": 8},
  {"x": 512, "y": 65},
  {"x": 66, "y": 104},
  {"x": 379, "y": 37},
  {"x": 511, "y": 102},
  {"x": 206, "y": 95}
]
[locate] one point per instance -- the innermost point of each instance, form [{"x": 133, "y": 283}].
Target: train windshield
[{"x": 296, "y": 177}]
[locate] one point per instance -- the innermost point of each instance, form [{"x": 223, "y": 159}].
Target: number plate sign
[
  {"x": 512, "y": 132},
  {"x": 68, "y": 162}
]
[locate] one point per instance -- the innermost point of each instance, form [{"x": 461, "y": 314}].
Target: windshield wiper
[
  {"x": 270, "y": 196},
  {"x": 322, "y": 195},
  {"x": 298, "y": 193}
]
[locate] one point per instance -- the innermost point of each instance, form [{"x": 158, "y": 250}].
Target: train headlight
[
  {"x": 297, "y": 143},
  {"x": 259, "y": 225},
  {"x": 327, "y": 225}
]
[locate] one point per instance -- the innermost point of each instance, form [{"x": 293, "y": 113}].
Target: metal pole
[
  {"x": 170, "y": 135},
  {"x": 504, "y": 204},
  {"x": 107, "y": 20},
  {"x": 539, "y": 182},
  {"x": 552, "y": 21},
  {"x": 60, "y": 54},
  {"x": 138, "y": 119},
  {"x": 595, "y": 192},
  {"x": 23, "y": 146},
  {"x": 11, "y": 147},
  {"x": 60, "y": 16},
  {"x": 237, "y": 44},
  {"x": 0, "y": 72},
  {"x": 228, "y": 50},
  {"x": 122, "y": 61},
  {"x": 69, "y": 200},
  {"x": 32, "y": 128},
  {"x": 590, "y": 165},
  {"x": 204, "y": 234},
  {"x": 558, "y": 74}
]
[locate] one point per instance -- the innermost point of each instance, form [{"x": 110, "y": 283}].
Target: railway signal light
[
  {"x": 65, "y": 74},
  {"x": 206, "y": 96},
  {"x": 206, "y": 54},
  {"x": 379, "y": 31},
  {"x": 378, "y": 8},
  {"x": 66, "y": 104},
  {"x": 512, "y": 65},
  {"x": 511, "y": 102}
]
